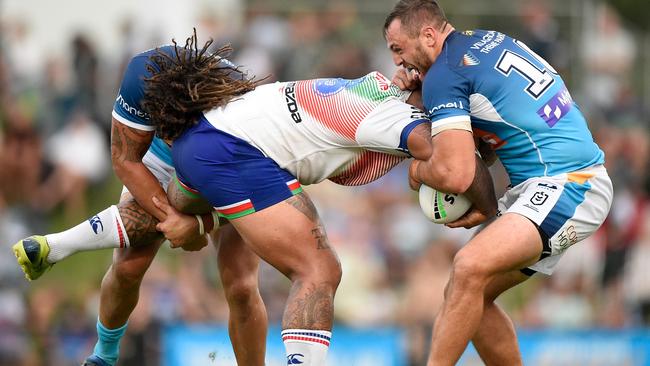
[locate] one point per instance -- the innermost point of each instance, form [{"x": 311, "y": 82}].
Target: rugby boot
[
  {"x": 31, "y": 254},
  {"x": 94, "y": 361}
]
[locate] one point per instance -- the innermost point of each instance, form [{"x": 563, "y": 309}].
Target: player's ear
[{"x": 429, "y": 35}]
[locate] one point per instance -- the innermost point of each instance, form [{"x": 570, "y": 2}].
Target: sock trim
[
  {"x": 111, "y": 332},
  {"x": 121, "y": 230},
  {"x": 307, "y": 336}
]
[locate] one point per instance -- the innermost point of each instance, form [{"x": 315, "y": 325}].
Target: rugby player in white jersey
[{"x": 250, "y": 154}]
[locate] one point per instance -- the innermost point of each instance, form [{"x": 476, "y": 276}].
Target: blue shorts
[{"x": 234, "y": 176}]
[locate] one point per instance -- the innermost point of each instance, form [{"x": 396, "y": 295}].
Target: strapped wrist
[
  {"x": 215, "y": 220},
  {"x": 201, "y": 226}
]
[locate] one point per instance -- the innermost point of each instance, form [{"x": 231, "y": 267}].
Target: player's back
[
  {"x": 346, "y": 130},
  {"x": 517, "y": 102}
]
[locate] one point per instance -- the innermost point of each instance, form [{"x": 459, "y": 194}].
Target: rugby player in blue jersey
[
  {"x": 144, "y": 165},
  {"x": 486, "y": 85}
]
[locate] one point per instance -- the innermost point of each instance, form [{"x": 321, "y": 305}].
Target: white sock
[
  {"x": 306, "y": 347},
  {"x": 104, "y": 230}
]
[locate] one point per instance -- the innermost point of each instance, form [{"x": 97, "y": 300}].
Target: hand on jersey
[
  {"x": 181, "y": 230},
  {"x": 407, "y": 80}
]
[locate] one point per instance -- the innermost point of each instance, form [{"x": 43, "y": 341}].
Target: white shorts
[
  {"x": 566, "y": 208},
  {"x": 161, "y": 170}
]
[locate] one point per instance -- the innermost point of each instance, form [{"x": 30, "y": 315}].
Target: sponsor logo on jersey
[
  {"x": 292, "y": 105},
  {"x": 457, "y": 105},
  {"x": 382, "y": 82},
  {"x": 327, "y": 87},
  {"x": 539, "y": 198},
  {"x": 489, "y": 41},
  {"x": 96, "y": 224},
  {"x": 468, "y": 32},
  {"x": 547, "y": 186},
  {"x": 132, "y": 110},
  {"x": 469, "y": 59},
  {"x": 557, "y": 107},
  {"x": 295, "y": 359}
]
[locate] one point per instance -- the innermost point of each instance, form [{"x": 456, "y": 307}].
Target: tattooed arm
[{"x": 128, "y": 147}]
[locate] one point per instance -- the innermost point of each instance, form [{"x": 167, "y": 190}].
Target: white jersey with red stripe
[{"x": 349, "y": 131}]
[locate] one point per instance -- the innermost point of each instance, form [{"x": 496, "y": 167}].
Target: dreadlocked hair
[{"x": 188, "y": 82}]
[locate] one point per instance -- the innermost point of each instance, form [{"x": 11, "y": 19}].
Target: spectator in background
[
  {"x": 540, "y": 30},
  {"x": 79, "y": 154},
  {"x": 86, "y": 74},
  {"x": 607, "y": 77}
]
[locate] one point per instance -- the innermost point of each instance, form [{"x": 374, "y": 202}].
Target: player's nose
[{"x": 397, "y": 59}]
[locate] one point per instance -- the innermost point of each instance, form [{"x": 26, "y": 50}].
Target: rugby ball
[{"x": 441, "y": 207}]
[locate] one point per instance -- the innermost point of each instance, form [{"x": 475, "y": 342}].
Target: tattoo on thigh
[
  {"x": 320, "y": 235},
  {"x": 310, "y": 309},
  {"x": 303, "y": 203},
  {"x": 140, "y": 225}
]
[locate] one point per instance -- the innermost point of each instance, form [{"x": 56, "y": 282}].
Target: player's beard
[{"x": 421, "y": 60}]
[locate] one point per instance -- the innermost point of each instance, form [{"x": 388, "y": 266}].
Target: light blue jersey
[
  {"x": 515, "y": 101},
  {"x": 127, "y": 108}
]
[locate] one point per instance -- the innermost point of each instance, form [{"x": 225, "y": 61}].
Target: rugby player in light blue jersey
[
  {"x": 486, "y": 84},
  {"x": 144, "y": 165}
]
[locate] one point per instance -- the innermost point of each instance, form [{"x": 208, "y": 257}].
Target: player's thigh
[
  {"x": 509, "y": 243},
  {"x": 290, "y": 236},
  {"x": 502, "y": 282},
  {"x": 237, "y": 260}
]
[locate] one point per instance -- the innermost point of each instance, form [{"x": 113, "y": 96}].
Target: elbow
[
  {"x": 453, "y": 180},
  {"x": 118, "y": 167}
]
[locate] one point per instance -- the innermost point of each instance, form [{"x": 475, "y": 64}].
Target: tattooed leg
[
  {"x": 140, "y": 226},
  {"x": 290, "y": 236},
  {"x": 121, "y": 283},
  {"x": 303, "y": 203}
]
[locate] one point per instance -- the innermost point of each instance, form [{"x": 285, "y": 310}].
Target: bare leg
[
  {"x": 290, "y": 237},
  {"x": 495, "y": 340},
  {"x": 121, "y": 284},
  {"x": 247, "y": 322},
  {"x": 509, "y": 243}
]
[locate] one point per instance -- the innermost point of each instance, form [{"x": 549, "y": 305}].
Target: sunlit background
[{"x": 60, "y": 65}]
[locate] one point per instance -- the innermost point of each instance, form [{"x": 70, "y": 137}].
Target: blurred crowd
[{"x": 55, "y": 172}]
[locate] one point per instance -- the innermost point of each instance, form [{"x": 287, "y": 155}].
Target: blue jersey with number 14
[{"x": 515, "y": 101}]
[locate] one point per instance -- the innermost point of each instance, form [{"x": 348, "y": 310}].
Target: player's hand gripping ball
[{"x": 441, "y": 207}]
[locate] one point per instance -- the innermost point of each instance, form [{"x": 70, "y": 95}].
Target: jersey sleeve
[
  {"x": 388, "y": 126},
  {"x": 127, "y": 107},
  {"x": 445, "y": 95}
]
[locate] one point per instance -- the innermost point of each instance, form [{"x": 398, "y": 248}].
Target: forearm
[
  {"x": 481, "y": 191},
  {"x": 450, "y": 165},
  {"x": 191, "y": 203},
  {"x": 142, "y": 185}
]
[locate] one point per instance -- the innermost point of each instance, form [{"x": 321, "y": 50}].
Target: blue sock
[{"x": 108, "y": 342}]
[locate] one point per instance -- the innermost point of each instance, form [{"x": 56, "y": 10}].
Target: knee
[
  {"x": 240, "y": 291},
  {"x": 327, "y": 274},
  {"x": 469, "y": 272},
  {"x": 128, "y": 274}
]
